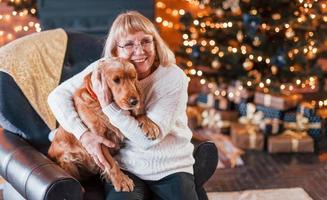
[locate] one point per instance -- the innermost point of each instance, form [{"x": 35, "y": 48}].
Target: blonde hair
[{"x": 131, "y": 22}]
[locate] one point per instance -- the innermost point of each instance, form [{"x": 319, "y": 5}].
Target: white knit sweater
[{"x": 165, "y": 93}]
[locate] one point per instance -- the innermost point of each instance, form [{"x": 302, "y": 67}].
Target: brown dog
[{"x": 68, "y": 152}]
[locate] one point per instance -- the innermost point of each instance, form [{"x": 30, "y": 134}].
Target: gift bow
[
  {"x": 212, "y": 119},
  {"x": 252, "y": 116}
]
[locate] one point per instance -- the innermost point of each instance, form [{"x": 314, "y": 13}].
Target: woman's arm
[
  {"x": 61, "y": 102},
  {"x": 163, "y": 111}
]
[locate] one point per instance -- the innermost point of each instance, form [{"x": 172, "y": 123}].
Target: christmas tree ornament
[
  {"x": 256, "y": 75},
  {"x": 219, "y": 12},
  {"x": 216, "y": 64},
  {"x": 311, "y": 55},
  {"x": 289, "y": 33},
  {"x": 248, "y": 64},
  {"x": 274, "y": 69},
  {"x": 240, "y": 36},
  {"x": 195, "y": 51},
  {"x": 251, "y": 24},
  {"x": 256, "y": 42},
  {"x": 195, "y": 35},
  {"x": 276, "y": 16}
]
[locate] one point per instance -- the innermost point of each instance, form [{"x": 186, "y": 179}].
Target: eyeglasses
[{"x": 146, "y": 44}]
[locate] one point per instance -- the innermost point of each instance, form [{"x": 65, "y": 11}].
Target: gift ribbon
[
  {"x": 267, "y": 99},
  {"x": 302, "y": 123},
  {"x": 295, "y": 138},
  {"x": 275, "y": 124},
  {"x": 306, "y": 105},
  {"x": 210, "y": 100},
  {"x": 253, "y": 136},
  {"x": 250, "y": 130}
]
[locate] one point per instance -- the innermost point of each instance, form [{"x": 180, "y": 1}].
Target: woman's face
[{"x": 139, "y": 49}]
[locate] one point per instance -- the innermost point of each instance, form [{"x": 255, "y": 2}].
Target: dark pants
[{"x": 178, "y": 186}]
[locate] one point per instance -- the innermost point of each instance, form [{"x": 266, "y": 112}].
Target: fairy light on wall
[{"x": 15, "y": 24}]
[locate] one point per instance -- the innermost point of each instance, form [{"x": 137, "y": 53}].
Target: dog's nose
[{"x": 133, "y": 101}]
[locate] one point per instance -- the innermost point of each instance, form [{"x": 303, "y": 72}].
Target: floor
[{"x": 263, "y": 171}]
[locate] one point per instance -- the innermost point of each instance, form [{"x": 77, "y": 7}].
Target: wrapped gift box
[
  {"x": 268, "y": 112},
  {"x": 247, "y": 136},
  {"x": 297, "y": 121},
  {"x": 212, "y": 101},
  {"x": 290, "y": 116},
  {"x": 290, "y": 141},
  {"x": 315, "y": 127},
  {"x": 277, "y": 101},
  {"x": 271, "y": 113}
]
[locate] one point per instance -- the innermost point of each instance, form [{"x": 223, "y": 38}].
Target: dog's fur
[{"x": 68, "y": 152}]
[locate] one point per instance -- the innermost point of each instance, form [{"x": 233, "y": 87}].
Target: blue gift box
[
  {"x": 306, "y": 111},
  {"x": 241, "y": 107},
  {"x": 314, "y": 123},
  {"x": 290, "y": 117},
  {"x": 211, "y": 101},
  {"x": 315, "y": 132},
  {"x": 203, "y": 98},
  {"x": 268, "y": 112},
  {"x": 271, "y": 112}
]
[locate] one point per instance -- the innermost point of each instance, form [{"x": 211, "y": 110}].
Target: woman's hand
[
  {"x": 101, "y": 88},
  {"x": 92, "y": 143}
]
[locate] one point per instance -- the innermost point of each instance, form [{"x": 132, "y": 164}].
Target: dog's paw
[
  {"x": 150, "y": 129},
  {"x": 120, "y": 181}
]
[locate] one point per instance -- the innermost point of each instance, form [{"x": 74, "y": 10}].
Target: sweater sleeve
[
  {"x": 163, "y": 112},
  {"x": 61, "y": 103}
]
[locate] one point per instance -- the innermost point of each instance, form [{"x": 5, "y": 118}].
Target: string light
[{"x": 17, "y": 23}]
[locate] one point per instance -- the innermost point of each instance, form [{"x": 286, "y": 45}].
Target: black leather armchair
[{"x": 24, "y": 140}]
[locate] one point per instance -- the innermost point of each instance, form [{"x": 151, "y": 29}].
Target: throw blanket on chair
[{"x": 35, "y": 63}]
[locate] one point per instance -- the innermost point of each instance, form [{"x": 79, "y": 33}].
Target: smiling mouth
[{"x": 139, "y": 60}]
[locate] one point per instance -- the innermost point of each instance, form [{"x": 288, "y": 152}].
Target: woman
[{"x": 161, "y": 168}]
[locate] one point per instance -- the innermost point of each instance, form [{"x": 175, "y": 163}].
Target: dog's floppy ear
[
  {"x": 140, "y": 110},
  {"x": 88, "y": 86}
]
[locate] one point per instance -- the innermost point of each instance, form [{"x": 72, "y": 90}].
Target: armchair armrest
[{"x": 31, "y": 173}]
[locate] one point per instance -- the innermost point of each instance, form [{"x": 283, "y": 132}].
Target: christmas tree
[{"x": 262, "y": 43}]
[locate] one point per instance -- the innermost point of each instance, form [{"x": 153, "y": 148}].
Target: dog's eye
[{"x": 117, "y": 80}]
